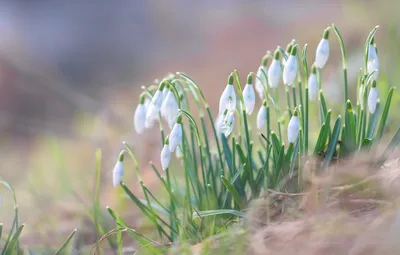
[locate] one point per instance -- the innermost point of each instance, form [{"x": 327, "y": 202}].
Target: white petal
[
  {"x": 372, "y": 100},
  {"x": 274, "y": 74},
  {"x": 227, "y": 100},
  {"x": 290, "y": 70},
  {"x": 262, "y": 117},
  {"x": 175, "y": 137},
  {"x": 139, "y": 118},
  {"x": 293, "y": 129},
  {"x": 249, "y": 98},
  {"x": 165, "y": 157},
  {"x": 313, "y": 87},
  {"x": 373, "y": 65},
  {"x": 322, "y": 53},
  {"x": 229, "y": 124},
  {"x": 178, "y": 151},
  {"x": 118, "y": 173},
  {"x": 155, "y": 105},
  {"x": 259, "y": 83},
  {"x": 169, "y": 109},
  {"x": 218, "y": 123}
]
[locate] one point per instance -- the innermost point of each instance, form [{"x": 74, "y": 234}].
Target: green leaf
[
  {"x": 323, "y": 107},
  {"x": 233, "y": 191},
  {"x": 12, "y": 247},
  {"x": 373, "y": 122},
  {"x": 218, "y": 212},
  {"x": 350, "y": 129},
  {"x": 293, "y": 159},
  {"x": 227, "y": 153},
  {"x": 332, "y": 142},
  {"x": 61, "y": 249},
  {"x": 323, "y": 134},
  {"x": 392, "y": 144},
  {"x": 385, "y": 113},
  {"x": 366, "y": 143}
]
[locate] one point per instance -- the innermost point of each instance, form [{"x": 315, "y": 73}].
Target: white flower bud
[
  {"x": 165, "y": 155},
  {"x": 322, "y": 51},
  {"x": 290, "y": 69},
  {"x": 175, "y": 137},
  {"x": 293, "y": 128},
  {"x": 373, "y": 98},
  {"x": 118, "y": 171},
  {"x": 139, "y": 118},
  {"x": 262, "y": 116},
  {"x": 274, "y": 71},
  {"x": 228, "y": 98},
  {"x": 249, "y": 96},
  {"x": 313, "y": 85},
  {"x": 373, "y": 62},
  {"x": 170, "y": 109}
]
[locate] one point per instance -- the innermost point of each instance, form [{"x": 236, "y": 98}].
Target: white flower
[
  {"x": 165, "y": 93},
  {"x": 139, "y": 119},
  {"x": 313, "y": 85},
  {"x": 290, "y": 69},
  {"x": 293, "y": 128},
  {"x": 165, "y": 156},
  {"x": 169, "y": 109},
  {"x": 228, "y": 124},
  {"x": 260, "y": 81},
  {"x": 228, "y": 98},
  {"x": 249, "y": 97},
  {"x": 155, "y": 105},
  {"x": 149, "y": 122},
  {"x": 118, "y": 171},
  {"x": 288, "y": 50},
  {"x": 373, "y": 62},
  {"x": 175, "y": 137},
  {"x": 322, "y": 51},
  {"x": 274, "y": 71},
  {"x": 373, "y": 98},
  {"x": 219, "y": 122},
  {"x": 262, "y": 116}
]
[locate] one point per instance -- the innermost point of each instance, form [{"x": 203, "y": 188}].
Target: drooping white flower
[
  {"x": 262, "y": 115},
  {"x": 373, "y": 98},
  {"x": 260, "y": 81},
  {"x": 322, "y": 51},
  {"x": 118, "y": 171},
  {"x": 175, "y": 137},
  {"x": 373, "y": 62},
  {"x": 165, "y": 155},
  {"x": 139, "y": 118},
  {"x": 228, "y": 97},
  {"x": 249, "y": 96},
  {"x": 293, "y": 128},
  {"x": 155, "y": 104},
  {"x": 165, "y": 92},
  {"x": 290, "y": 69},
  {"x": 219, "y": 122},
  {"x": 274, "y": 71},
  {"x": 149, "y": 122},
  {"x": 227, "y": 126},
  {"x": 170, "y": 109},
  {"x": 313, "y": 84}
]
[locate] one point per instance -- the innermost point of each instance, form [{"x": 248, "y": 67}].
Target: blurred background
[{"x": 71, "y": 72}]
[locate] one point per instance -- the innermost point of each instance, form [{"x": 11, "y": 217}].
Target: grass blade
[
  {"x": 392, "y": 144},
  {"x": 218, "y": 212},
  {"x": 385, "y": 114},
  {"x": 61, "y": 249},
  {"x": 233, "y": 191},
  {"x": 332, "y": 143},
  {"x": 12, "y": 246}
]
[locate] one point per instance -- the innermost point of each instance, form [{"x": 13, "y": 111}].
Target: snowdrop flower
[
  {"x": 175, "y": 137},
  {"x": 165, "y": 155},
  {"x": 288, "y": 50},
  {"x": 322, "y": 51},
  {"x": 228, "y": 97},
  {"x": 313, "y": 84},
  {"x": 249, "y": 97},
  {"x": 373, "y": 98},
  {"x": 165, "y": 92},
  {"x": 261, "y": 78},
  {"x": 274, "y": 71},
  {"x": 373, "y": 61},
  {"x": 118, "y": 172},
  {"x": 293, "y": 127},
  {"x": 155, "y": 103},
  {"x": 262, "y": 115},
  {"x": 290, "y": 69},
  {"x": 170, "y": 109},
  {"x": 139, "y": 118},
  {"x": 149, "y": 122},
  {"x": 219, "y": 122},
  {"x": 227, "y": 126}
]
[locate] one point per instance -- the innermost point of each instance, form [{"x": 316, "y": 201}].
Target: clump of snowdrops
[{"x": 225, "y": 161}]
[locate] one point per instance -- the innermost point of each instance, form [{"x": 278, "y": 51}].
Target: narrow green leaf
[
  {"x": 64, "y": 245},
  {"x": 12, "y": 247},
  {"x": 392, "y": 144},
  {"x": 227, "y": 153},
  {"x": 218, "y": 212},
  {"x": 323, "y": 107},
  {"x": 332, "y": 143},
  {"x": 384, "y": 115},
  {"x": 373, "y": 122},
  {"x": 233, "y": 191}
]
